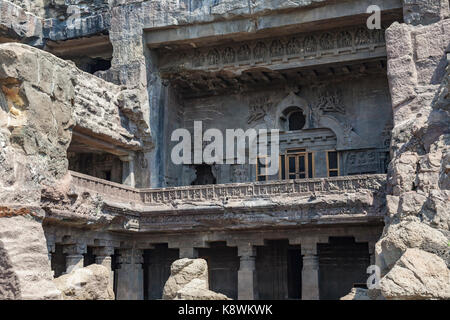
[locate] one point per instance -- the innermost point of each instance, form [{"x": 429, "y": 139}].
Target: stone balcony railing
[
  {"x": 225, "y": 192},
  {"x": 106, "y": 188}
]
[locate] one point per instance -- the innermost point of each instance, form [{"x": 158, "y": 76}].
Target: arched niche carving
[
  {"x": 289, "y": 104},
  {"x": 346, "y": 137}
]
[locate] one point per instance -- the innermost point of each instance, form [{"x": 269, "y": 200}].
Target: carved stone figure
[{"x": 258, "y": 109}]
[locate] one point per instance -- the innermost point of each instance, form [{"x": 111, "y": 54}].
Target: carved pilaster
[
  {"x": 247, "y": 281},
  {"x": 50, "y": 249},
  {"x": 128, "y": 170},
  {"x": 372, "y": 252},
  {"x": 103, "y": 257},
  {"x": 190, "y": 253},
  {"x": 74, "y": 256},
  {"x": 130, "y": 276},
  {"x": 310, "y": 272}
]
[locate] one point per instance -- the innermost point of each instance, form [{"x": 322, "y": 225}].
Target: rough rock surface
[
  {"x": 414, "y": 246},
  {"x": 25, "y": 271},
  {"x": 417, "y": 275},
  {"x": 89, "y": 283},
  {"x": 17, "y": 24},
  {"x": 42, "y": 98},
  {"x": 189, "y": 281}
]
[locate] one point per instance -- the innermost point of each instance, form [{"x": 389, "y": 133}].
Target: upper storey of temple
[{"x": 199, "y": 19}]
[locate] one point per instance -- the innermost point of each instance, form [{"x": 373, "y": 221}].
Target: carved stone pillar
[
  {"x": 128, "y": 170},
  {"x": 74, "y": 256},
  {"x": 130, "y": 275},
  {"x": 372, "y": 252},
  {"x": 103, "y": 257},
  {"x": 51, "y": 249},
  {"x": 310, "y": 272},
  {"x": 247, "y": 281},
  {"x": 190, "y": 252}
]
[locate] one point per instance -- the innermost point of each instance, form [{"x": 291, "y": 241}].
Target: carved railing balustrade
[{"x": 226, "y": 192}]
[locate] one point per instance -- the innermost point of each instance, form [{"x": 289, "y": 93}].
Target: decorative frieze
[
  {"x": 261, "y": 190},
  {"x": 283, "y": 49}
]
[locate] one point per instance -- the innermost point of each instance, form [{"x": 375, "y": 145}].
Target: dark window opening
[
  {"x": 58, "y": 262},
  {"x": 261, "y": 169},
  {"x": 107, "y": 175},
  {"x": 283, "y": 167},
  {"x": 296, "y": 121},
  {"x": 98, "y": 64},
  {"x": 342, "y": 266},
  {"x": 88, "y": 257},
  {"x": 333, "y": 163},
  {"x": 205, "y": 175},
  {"x": 278, "y": 271},
  {"x": 296, "y": 164},
  {"x": 157, "y": 264},
  {"x": 223, "y": 266},
  {"x": 91, "y": 161}
]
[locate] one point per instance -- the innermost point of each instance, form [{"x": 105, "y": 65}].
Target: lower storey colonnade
[{"x": 308, "y": 269}]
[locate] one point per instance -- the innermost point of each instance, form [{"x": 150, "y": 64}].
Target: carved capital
[
  {"x": 75, "y": 249},
  {"x": 246, "y": 250},
  {"x": 309, "y": 249},
  {"x": 131, "y": 256},
  {"x": 103, "y": 251}
]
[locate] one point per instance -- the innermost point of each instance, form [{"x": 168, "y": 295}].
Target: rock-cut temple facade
[{"x": 92, "y": 91}]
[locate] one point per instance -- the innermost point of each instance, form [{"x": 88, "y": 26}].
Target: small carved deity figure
[
  {"x": 331, "y": 101},
  {"x": 213, "y": 57},
  {"x": 277, "y": 49},
  {"x": 228, "y": 55},
  {"x": 326, "y": 41},
  {"x": 243, "y": 53},
  {"x": 258, "y": 109},
  {"x": 260, "y": 51},
  {"x": 362, "y": 37},
  {"x": 293, "y": 47},
  {"x": 310, "y": 44},
  {"x": 344, "y": 39}
]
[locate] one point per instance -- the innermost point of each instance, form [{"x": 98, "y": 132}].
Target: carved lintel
[{"x": 75, "y": 249}]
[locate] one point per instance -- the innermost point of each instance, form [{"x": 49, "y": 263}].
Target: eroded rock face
[
  {"x": 25, "y": 271},
  {"x": 189, "y": 281},
  {"x": 413, "y": 252},
  {"x": 417, "y": 275},
  {"x": 425, "y": 12},
  {"x": 89, "y": 283},
  {"x": 42, "y": 98}
]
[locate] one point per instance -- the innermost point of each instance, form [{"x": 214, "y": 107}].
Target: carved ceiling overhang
[
  {"x": 276, "y": 53},
  {"x": 202, "y": 83},
  {"x": 242, "y": 65}
]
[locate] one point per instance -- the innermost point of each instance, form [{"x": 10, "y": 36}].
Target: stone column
[
  {"x": 128, "y": 170},
  {"x": 51, "y": 249},
  {"x": 190, "y": 252},
  {"x": 247, "y": 282},
  {"x": 372, "y": 252},
  {"x": 74, "y": 256},
  {"x": 103, "y": 257},
  {"x": 130, "y": 275},
  {"x": 310, "y": 272}
]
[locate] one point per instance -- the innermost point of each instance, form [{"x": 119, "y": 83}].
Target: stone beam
[
  {"x": 302, "y": 20},
  {"x": 99, "y": 144}
]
